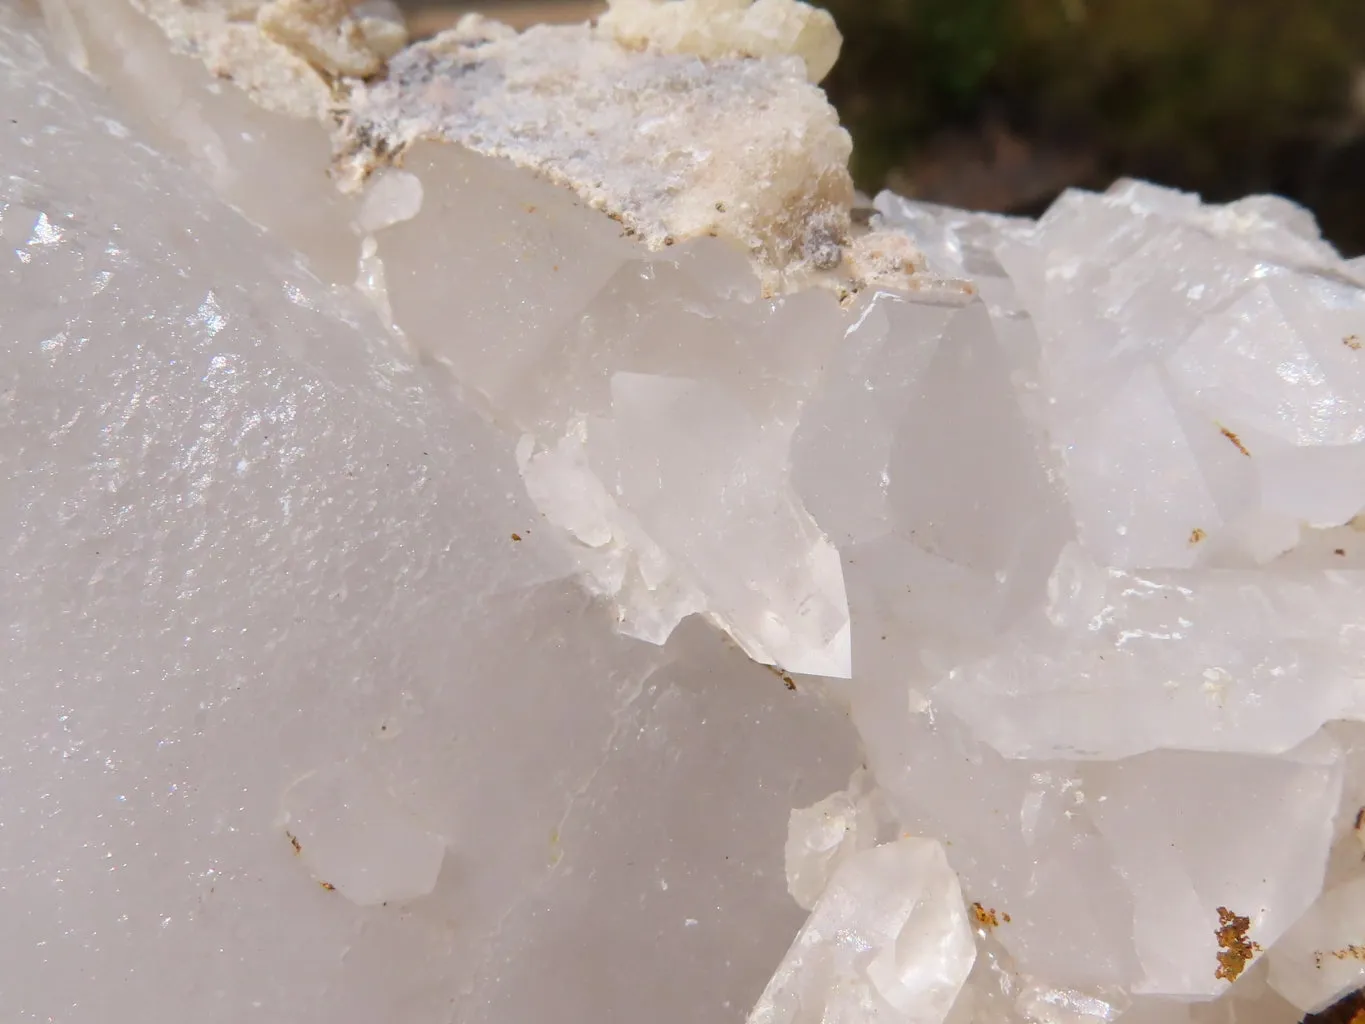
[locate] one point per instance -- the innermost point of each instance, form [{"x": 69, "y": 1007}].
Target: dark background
[{"x": 1000, "y": 104}]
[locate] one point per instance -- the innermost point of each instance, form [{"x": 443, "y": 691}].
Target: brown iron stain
[
  {"x": 1352, "y": 341},
  {"x": 1235, "y": 440},
  {"x": 516, "y": 536},
  {"x": 1235, "y": 948},
  {"x": 989, "y": 919},
  {"x": 328, "y": 886},
  {"x": 1351, "y": 952},
  {"x": 1196, "y": 535},
  {"x": 1339, "y": 551},
  {"x": 294, "y": 842},
  {"x": 1349, "y": 1009},
  {"x": 782, "y": 674}
]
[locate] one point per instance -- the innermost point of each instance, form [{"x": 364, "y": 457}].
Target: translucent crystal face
[{"x": 354, "y": 552}]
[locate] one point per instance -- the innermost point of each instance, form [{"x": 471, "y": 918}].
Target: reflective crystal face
[{"x": 439, "y": 600}]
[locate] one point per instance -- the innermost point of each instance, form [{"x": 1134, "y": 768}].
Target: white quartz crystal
[
  {"x": 262, "y": 583},
  {"x": 821, "y": 837},
  {"x": 889, "y": 940},
  {"x": 366, "y": 406},
  {"x": 1222, "y": 660}
]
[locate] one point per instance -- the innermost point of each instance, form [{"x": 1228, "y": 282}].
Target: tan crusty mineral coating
[
  {"x": 728, "y": 28},
  {"x": 671, "y": 146},
  {"x": 691, "y": 119},
  {"x": 285, "y": 54}
]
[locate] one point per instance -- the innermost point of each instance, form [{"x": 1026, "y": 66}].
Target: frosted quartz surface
[
  {"x": 261, "y": 583},
  {"x": 1067, "y": 512}
]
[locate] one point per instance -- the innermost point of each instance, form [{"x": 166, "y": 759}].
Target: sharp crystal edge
[{"x": 384, "y": 422}]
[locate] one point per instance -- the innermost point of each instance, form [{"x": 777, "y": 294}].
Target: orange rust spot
[
  {"x": 1351, "y": 952},
  {"x": 1235, "y": 440},
  {"x": 988, "y": 918},
  {"x": 1196, "y": 535},
  {"x": 782, "y": 674},
  {"x": 516, "y": 536},
  {"x": 1235, "y": 949},
  {"x": 328, "y": 886},
  {"x": 1352, "y": 341}
]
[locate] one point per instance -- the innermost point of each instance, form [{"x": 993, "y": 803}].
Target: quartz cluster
[{"x": 378, "y": 417}]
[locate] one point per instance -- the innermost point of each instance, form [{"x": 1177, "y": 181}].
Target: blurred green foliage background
[{"x": 1001, "y": 103}]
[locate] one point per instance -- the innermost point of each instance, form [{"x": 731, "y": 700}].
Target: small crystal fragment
[
  {"x": 821, "y": 837},
  {"x": 357, "y": 839},
  {"x": 889, "y": 940}
]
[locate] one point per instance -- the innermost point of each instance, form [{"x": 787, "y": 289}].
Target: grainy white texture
[
  {"x": 247, "y": 539},
  {"x": 672, "y": 146},
  {"x": 728, "y": 28}
]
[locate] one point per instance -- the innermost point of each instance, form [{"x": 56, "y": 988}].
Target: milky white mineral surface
[
  {"x": 727, "y": 28},
  {"x": 490, "y": 538}
]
